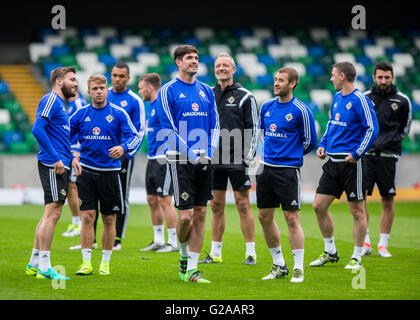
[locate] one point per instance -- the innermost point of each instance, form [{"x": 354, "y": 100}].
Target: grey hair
[{"x": 227, "y": 55}]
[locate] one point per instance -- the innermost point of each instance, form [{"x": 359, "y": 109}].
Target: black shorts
[
  {"x": 55, "y": 186},
  {"x": 339, "y": 176},
  {"x": 102, "y": 186},
  {"x": 382, "y": 171},
  {"x": 192, "y": 184},
  {"x": 278, "y": 185},
  {"x": 237, "y": 175},
  {"x": 158, "y": 178}
]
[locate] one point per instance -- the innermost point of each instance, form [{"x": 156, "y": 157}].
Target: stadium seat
[
  {"x": 120, "y": 50},
  {"x": 342, "y": 57},
  {"x": 204, "y": 33},
  {"x": 318, "y": 34},
  {"x": 345, "y": 43},
  {"x": 416, "y": 95},
  {"x": 299, "y": 67},
  {"x": 107, "y": 32},
  {"x": 321, "y": 97},
  {"x": 4, "y": 87},
  {"x": 249, "y": 42},
  {"x": 92, "y": 41},
  {"x": 37, "y": 50},
  {"x": 54, "y": 40},
  {"x": 10, "y": 137},
  {"x": 149, "y": 59},
  {"x": 133, "y": 40},
  {"x": 374, "y": 51},
  {"x": 385, "y": 42},
  {"x": 4, "y": 116},
  {"x": 403, "y": 59},
  {"x": 261, "y": 96}
]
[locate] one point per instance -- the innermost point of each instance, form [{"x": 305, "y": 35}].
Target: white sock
[
  {"x": 250, "y": 249},
  {"x": 192, "y": 260},
  {"x": 357, "y": 254},
  {"x": 159, "y": 234},
  {"x": 44, "y": 260},
  {"x": 329, "y": 245},
  {"x": 87, "y": 254},
  {"x": 34, "y": 261},
  {"x": 106, "y": 255},
  {"x": 383, "y": 240},
  {"x": 367, "y": 238},
  {"x": 183, "y": 249},
  {"x": 216, "y": 249},
  {"x": 298, "y": 258},
  {"x": 277, "y": 256},
  {"x": 76, "y": 220},
  {"x": 172, "y": 236}
]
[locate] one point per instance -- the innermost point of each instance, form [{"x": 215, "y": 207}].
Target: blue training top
[
  {"x": 287, "y": 131},
  {"x": 353, "y": 126},
  {"x": 101, "y": 129}
]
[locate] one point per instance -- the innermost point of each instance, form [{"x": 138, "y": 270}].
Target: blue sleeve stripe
[
  {"x": 48, "y": 105},
  {"x": 306, "y": 123},
  {"x": 164, "y": 94},
  {"x": 368, "y": 117}
]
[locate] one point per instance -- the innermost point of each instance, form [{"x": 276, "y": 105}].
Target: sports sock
[
  {"x": 357, "y": 254},
  {"x": 216, "y": 249},
  {"x": 76, "y": 220},
  {"x": 183, "y": 249},
  {"x": 250, "y": 249},
  {"x": 298, "y": 258},
  {"x": 192, "y": 260},
  {"x": 367, "y": 238},
  {"x": 34, "y": 261},
  {"x": 159, "y": 234},
  {"x": 277, "y": 256},
  {"x": 172, "y": 236},
  {"x": 329, "y": 245},
  {"x": 87, "y": 254},
  {"x": 44, "y": 261},
  {"x": 383, "y": 240},
  {"x": 106, "y": 255}
]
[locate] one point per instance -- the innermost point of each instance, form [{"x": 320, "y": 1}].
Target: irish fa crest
[
  {"x": 348, "y": 106},
  {"x": 394, "y": 106},
  {"x": 109, "y": 118},
  {"x": 231, "y": 100},
  {"x": 202, "y": 94},
  {"x": 289, "y": 117},
  {"x": 124, "y": 103}
]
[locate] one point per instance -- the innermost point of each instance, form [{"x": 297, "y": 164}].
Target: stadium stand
[{"x": 258, "y": 52}]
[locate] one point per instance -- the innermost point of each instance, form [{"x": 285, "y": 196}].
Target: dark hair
[
  {"x": 151, "y": 78},
  {"x": 384, "y": 66},
  {"x": 122, "y": 65},
  {"x": 183, "y": 50},
  {"x": 292, "y": 74},
  {"x": 60, "y": 73},
  {"x": 348, "y": 69}
]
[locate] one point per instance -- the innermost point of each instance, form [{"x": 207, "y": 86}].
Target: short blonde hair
[
  {"x": 226, "y": 55},
  {"x": 96, "y": 78}
]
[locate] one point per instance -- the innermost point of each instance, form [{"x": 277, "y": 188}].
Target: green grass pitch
[{"x": 153, "y": 276}]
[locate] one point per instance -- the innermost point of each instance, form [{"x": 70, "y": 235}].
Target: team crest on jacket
[
  {"x": 348, "y": 106},
  {"x": 195, "y": 107},
  {"x": 124, "y": 103},
  {"x": 231, "y": 100},
  {"x": 202, "y": 94},
  {"x": 96, "y": 131},
  {"x": 289, "y": 117},
  {"x": 109, "y": 118},
  {"x": 273, "y": 128},
  {"x": 394, "y": 106}
]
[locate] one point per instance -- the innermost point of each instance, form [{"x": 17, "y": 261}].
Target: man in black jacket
[
  {"x": 238, "y": 116},
  {"x": 393, "y": 110}
]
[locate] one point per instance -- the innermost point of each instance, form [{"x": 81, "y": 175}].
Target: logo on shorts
[
  {"x": 289, "y": 117},
  {"x": 352, "y": 195},
  {"x": 115, "y": 208},
  {"x": 63, "y": 192},
  {"x": 294, "y": 203},
  {"x": 337, "y": 116},
  {"x": 109, "y": 118},
  {"x": 80, "y": 202},
  {"x": 185, "y": 196},
  {"x": 348, "y": 106},
  {"x": 273, "y": 128},
  {"x": 124, "y": 103},
  {"x": 195, "y": 107},
  {"x": 392, "y": 190},
  {"x": 96, "y": 131}
]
